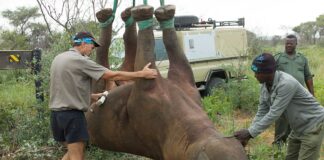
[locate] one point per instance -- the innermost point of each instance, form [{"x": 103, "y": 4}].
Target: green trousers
[
  {"x": 306, "y": 146},
  {"x": 282, "y": 130}
]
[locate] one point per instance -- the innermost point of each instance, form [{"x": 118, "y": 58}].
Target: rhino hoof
[
  {"x": 165, "y": 12},
  {"x": 126, "y": 14},
  {"x": 104, "y": 14},
  {"x": 142, "y": 12}
]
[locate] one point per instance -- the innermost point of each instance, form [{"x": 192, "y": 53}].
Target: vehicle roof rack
[{"x": 186, "y": 22}]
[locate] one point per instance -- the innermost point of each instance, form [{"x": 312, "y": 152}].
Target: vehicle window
[{"x": 159, "y": 50}]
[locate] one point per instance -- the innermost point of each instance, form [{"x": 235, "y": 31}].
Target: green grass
[
  {"x": 17, "y": 94},
  {"x": 24, "y": 124}
]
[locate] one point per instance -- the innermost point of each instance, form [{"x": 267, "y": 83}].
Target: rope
[
  {"x": 107, "y": 22},
  {"x": 149, "y": 23},
  {"x": 162, "y": 2},
  {"x": 129, "y": 21},
  {"x": 111, "y": 18},
  {"x": 167, "y": 24},
  {"x": 145, "y": 24}
]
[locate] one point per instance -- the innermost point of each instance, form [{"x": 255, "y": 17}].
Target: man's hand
[
  {"x": 96, "y": 96},
  {"x": 149, "y": 73},
  {"x": 243, "y": 136}
]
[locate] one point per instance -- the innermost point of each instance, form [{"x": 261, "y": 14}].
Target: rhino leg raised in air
[
  {"x": 130, "y": 40},
  {"x": 102, "y": 51},
  {"x": 180, "y": 72},
  {"x": 105, "y": 37},
  {"x": 130, "y": 43}
]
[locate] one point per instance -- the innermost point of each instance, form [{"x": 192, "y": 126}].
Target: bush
[
  {"x": 320, "y": 43},
  {"x": 236, "y": 94},
  {"x": 217, "y": 104},
  {"x": 244, "y": 94}
]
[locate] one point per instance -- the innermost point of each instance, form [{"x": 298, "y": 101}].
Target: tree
[
  {"x": 320, "y": 24},
  {"x": 26, "y": 34},
  {"x": 12, "y": 40},
  {"x": 254, "y": 43},
  {"x": 275, "y": 40},
  {"x": 21, "y": 17},
  {"x": 307, "y": 31},
  {"x": 39, "y": 37},
  {"x": 68, "y": 13}
]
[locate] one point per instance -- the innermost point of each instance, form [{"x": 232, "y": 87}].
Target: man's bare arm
[
  {"x": 310, "y": 87},
  {"x": 146, "y": 72}
]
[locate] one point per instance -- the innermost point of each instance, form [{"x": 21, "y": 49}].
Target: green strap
[
  {"x": 111, "y": 18},
  {"x": 129, "y": 21},
  {"x": 115, "y": 6},
  {"x": 107, "y": 22},
  {"x": 167, "y": 24},
  {"x": 162, "y": 2},
  {"x": 145, "y": 24}
]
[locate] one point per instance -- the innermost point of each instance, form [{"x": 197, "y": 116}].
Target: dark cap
[
  {"x": 264, "y": 63},
  {"x": 80, "y": 36}
]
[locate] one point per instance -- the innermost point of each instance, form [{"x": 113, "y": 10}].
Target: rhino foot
[
  {"x": 142, "y": 12},
  {"x": 126, "y": 14},
  {"x": 104, "y": 14},
  {"x": 165, "y": 12}
]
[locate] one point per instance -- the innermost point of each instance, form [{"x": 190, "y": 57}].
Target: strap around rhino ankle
[
  {"x": 145, "y": 24},
  {"x": 129, "y": 21},
  {"x": 107, "y": 22},
  {"x": 111, "y": 18},
  {"x": 167, "y": 24}
]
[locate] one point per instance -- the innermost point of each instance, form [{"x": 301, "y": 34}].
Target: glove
[{"x": 243, "y": 136}]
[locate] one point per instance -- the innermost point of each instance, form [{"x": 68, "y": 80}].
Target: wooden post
[{"x": 37, "y": 67}]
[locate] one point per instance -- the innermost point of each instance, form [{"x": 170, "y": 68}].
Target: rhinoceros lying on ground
[{"x": 160, "y": 118}]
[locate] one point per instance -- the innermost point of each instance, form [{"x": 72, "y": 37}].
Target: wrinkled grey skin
[{"x": 160, "y": 118}]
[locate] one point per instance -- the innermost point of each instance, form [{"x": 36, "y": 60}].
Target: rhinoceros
[{"x": 160, "y": 118}]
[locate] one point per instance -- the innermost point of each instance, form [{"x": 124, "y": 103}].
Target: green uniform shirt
[
  {"x": 288, "y": 97},
  {"x": 295, "y": 65},
  {"x": 70, "y": 85}
]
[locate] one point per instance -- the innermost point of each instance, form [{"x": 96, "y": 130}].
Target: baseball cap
[
  {"x": 85, "y": 36},
  {"x": 264, "y": 63}
]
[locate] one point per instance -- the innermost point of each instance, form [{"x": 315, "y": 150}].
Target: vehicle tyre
[
  {"x": 185, "y": 21},
  {"x": 214, "y": 82}
]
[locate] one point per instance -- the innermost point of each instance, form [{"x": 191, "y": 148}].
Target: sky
[{"x": 263, "y": 17}]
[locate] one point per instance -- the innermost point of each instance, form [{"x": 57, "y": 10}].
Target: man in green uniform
[
  {"x": 282, "y": 95},
  {"x": 295, "y": 64}
]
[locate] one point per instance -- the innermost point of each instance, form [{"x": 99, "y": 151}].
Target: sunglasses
[
  {"x": 85, "y": 40},
  {"x": 254, "y": 68}
]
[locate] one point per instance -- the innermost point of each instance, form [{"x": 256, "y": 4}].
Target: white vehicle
[{"x": 210, "y": 47}]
